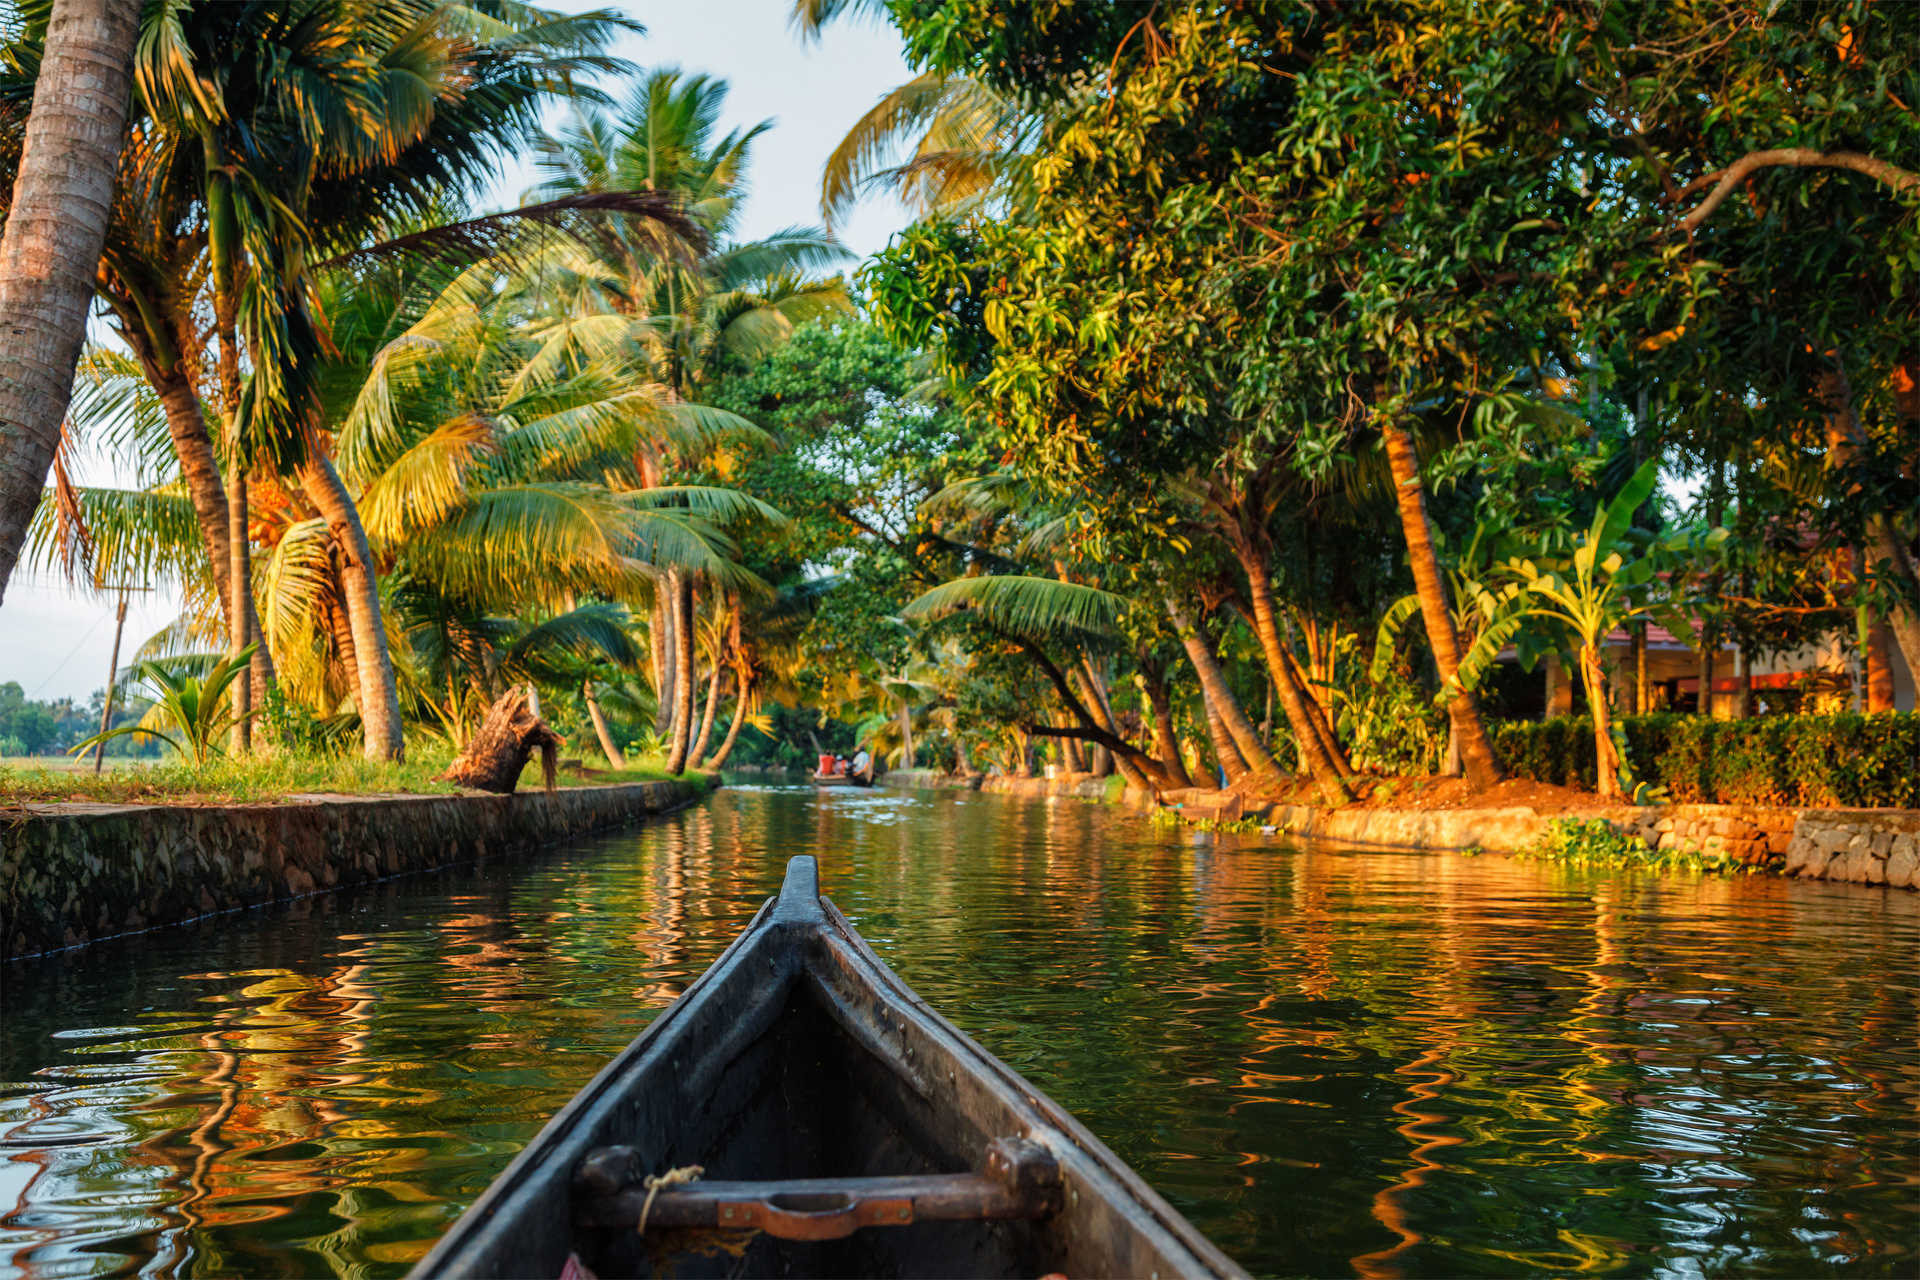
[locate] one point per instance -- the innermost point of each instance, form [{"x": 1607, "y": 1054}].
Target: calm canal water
[{"x": 1333, "y": 1063}]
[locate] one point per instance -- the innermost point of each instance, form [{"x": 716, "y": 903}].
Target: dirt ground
[{"x": 1450, "y": 793}]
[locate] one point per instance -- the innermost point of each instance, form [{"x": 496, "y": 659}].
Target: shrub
[{"x": 1822, "y": 761}]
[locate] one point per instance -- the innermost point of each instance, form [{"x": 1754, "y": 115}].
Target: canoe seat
[{"x": 1022, "y": 1181}]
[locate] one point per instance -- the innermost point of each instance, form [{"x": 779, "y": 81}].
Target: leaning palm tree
[
  {"x": 1043, "y": 618},
  {"x": 55, "y": 211}
]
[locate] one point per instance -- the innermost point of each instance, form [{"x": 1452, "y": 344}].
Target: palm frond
[{"x": 1026, "y": 606}]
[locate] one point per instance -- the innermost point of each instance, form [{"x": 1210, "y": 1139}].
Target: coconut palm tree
[
  {"x": 686, "y": 314},
  {"x": 943, "y": 143},
  {"x": 250, "y": 119},
  {"x": 494, "y": 463},
  {"x": 56, "y": 217}
]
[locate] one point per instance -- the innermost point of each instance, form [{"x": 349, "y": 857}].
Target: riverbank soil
[
  {"x": 1859, "y": 846},
  {"x": 1447, "y": 793}
]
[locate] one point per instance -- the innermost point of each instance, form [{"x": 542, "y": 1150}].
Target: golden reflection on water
[{"x": 1335, "y": 1063}]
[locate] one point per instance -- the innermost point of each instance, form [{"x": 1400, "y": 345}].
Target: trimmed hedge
[{"x": 1799, "y": 761}]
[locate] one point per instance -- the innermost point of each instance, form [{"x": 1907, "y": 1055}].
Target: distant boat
[
  {"x": 841, "y": 780},
  {"x": 798, "y": 1111}
]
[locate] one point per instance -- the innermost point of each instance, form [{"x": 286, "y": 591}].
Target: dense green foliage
[
  {"x": 1794, "y": 760},
  {"x": 1266, "y": 390},
  {"x": 1522, "y": 253}
]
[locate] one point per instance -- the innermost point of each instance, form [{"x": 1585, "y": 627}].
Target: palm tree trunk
[
  {"x": 1317, "y": 714},
  {"x": 600, "y": 730},
  {"x": 1072, "y": 755},
  {"x": 199, "y": 468},
  {"x": 239, "y": 570},
  {"x": 906, "y": 735},
  {"x": 1100, "y": 760},
  {"x": 1166, "y": 743},
  {"x": 377, "y": 695},
  {"x": 660, "y": 655},
  {"x": 1902, "y": 620},
  {"x": 342, "y": 632},
  {"x": 699, "y": 747},
  {"x": 680, "y": 593},
  {"x": 1023, "y": 753},
  {"x": 1844, "y": 437},
  {"x": 1225, "y": 750},
  {"x": 1879, "y": 667},
  {"x": 1222, "y": 704},
  {"x": 1328, "y": 776},
  {"x": 50, "y": 248},
  {"x": 1476, "y": 750},
  {"x": 1606, "y": 758},
  {"x": 733, "y": 730}
]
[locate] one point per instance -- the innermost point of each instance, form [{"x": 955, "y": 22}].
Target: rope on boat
[{"x": 671, "y": 1178}]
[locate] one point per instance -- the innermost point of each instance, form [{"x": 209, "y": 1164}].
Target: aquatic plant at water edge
[{"x": 1594, "y": 842}]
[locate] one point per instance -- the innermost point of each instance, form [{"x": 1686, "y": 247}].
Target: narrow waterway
[{"x": 1333, "y": 1063}]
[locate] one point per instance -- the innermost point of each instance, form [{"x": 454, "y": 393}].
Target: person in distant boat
[
  {"x": 862, "y": 764},
  {"x": 839, "y": 766}
]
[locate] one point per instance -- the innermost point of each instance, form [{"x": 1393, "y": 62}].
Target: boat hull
[{"x": 800, "y": 1055}]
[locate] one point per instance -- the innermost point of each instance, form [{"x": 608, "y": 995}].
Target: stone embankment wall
[
  {"x": 1860, "y": 846},
  {"x": 72, "y": 873},
  {"x": 930, "y": 778}
]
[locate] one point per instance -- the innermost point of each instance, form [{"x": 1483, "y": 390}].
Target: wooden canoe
[
  {"x": 841, "y": 1127},
  {"x": 841, "y": 780}
]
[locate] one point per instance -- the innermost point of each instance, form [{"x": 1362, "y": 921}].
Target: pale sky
[{"x": 56, "y": 642}]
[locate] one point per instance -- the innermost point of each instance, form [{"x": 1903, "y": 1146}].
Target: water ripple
[{"x": 1336, "y": 1063}]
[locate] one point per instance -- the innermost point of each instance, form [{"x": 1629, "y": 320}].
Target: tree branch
[{"x": 1725, "y": 180}]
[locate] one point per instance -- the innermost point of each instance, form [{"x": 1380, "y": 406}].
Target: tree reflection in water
[{"x": 1335, "y": 1063}]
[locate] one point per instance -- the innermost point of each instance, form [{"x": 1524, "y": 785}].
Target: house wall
[{"x": 1832, "y": 654}]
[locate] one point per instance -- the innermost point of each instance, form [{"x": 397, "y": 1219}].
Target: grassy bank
[{"x": 265, "y": 779}]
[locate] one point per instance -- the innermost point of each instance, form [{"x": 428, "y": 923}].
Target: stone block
[
  {"x": 1832, "y": 839},
  {"x": 1807, "y": 860},
  {"x": 1779, "y": 839},
  {"x": 1902, "y": 863}
]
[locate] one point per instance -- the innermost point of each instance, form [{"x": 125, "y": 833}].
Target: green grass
[
  {"x": 267, "y": 778},
  {"x": 76, "y": 764}
]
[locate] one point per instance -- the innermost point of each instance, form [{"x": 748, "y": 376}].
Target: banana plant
[
  {"x": 1613, "y": 575},
  {"x": 194, "y": 705}
]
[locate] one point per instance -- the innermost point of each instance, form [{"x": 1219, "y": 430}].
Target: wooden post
[{"x": 113, "y": 672}]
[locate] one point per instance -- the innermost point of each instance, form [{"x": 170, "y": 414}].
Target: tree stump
[{"x": 500, "y": 749}]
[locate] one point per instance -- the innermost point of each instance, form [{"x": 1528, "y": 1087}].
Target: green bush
[{"x": 1823, "y": 761}]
